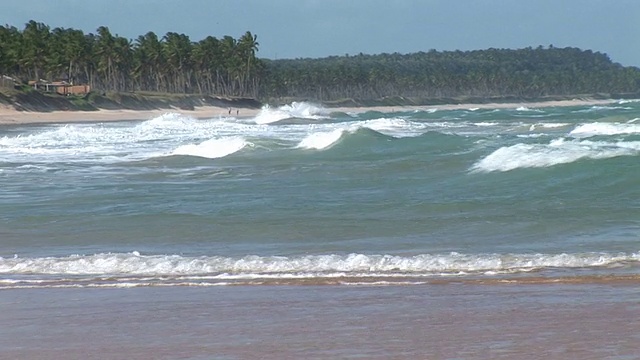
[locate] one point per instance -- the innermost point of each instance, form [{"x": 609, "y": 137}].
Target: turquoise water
[{"x": 301, "y": 193}]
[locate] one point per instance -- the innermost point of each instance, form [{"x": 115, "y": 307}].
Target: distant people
[
  {"x": 229, "y": 111},
  {"x": 237, "y": 112}
]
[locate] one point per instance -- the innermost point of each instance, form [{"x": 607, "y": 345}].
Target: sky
[{"x": 320, "y": 28}]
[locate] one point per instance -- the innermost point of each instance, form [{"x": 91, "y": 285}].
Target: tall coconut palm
[
  {"x": 10, "y": 50},
  {"x": 151, "y": 61},
  {"x": 122, "y": 63},
  {"x": 248, "y": 46},
  {"x": 34, "y": 47},
  {"x": 105, "y": 50},
  {"x": 206, "y": 61},
  {"x": 178, "y": 50},
  {"x": 71, "y": 49}
]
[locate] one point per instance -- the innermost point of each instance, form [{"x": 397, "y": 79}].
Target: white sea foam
[
  {"x": 396, "y": 127},
  {"x": 552, "y": 125},
  {"x": 320, "y": 141},
  {"x": 534, "y": 127},
  {"x": 599, "y": 128},
  {"x": 526, "y": 109},
  {"x": 627, "y": 101},
  {"x": 332, "y": 265},
  {"x": 213, "y": 148},
  {"x": 556, "y": 152},
  {"x": 486, "y": 124},
  {"x": 127, "y": 141},
  {"x": 597, "y": 108},
  {"x": 300, "y": 110}
]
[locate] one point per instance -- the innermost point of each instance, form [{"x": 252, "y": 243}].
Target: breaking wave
[
  {"x": 213, "y": 148},
  {"x": 167, "y": 269},
  {"x": 298, "y": 110},
  {"x": 556, "y": 152},
  {"x": 596, "y": 129},
  {"x": 320, "y": 141}
]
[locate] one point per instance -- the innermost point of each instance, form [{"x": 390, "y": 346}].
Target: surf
[
  {"x": 159, "y": 270},
  {"x": 295, "y": 110},
  {"x": 213, "y": 148}
]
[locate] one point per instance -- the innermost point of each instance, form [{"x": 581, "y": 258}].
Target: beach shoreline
[
  {"x": 10, "y": 116},
  {"x": 552, "y": 321}
]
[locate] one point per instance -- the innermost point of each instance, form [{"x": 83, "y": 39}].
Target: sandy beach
[
  {"x": 10, "y": 116},
  {"x": 586, "y": 321}
]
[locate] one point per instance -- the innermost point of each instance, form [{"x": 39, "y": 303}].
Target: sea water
[{"x": 303, "y": 194}]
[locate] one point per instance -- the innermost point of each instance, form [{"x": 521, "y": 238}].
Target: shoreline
[
  {"x": 15, "y": 117},
  {"x": 10, "y": 116},
  {"x": 552, "y": 321}
]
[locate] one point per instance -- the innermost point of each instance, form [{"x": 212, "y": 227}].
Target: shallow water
[{"x": 300, "y": 193}]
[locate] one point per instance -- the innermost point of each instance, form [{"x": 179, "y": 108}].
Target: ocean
[{"x": 349, "y": 206}]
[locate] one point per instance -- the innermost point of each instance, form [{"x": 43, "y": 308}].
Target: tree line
[
  {"x": 528, "y": 72},
  {"x": 173, "y": 63}
]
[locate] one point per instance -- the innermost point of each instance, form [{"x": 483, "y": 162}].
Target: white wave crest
[
  {"x": 527, "y": 109},
  {"x": 320, "y": 141},
  {"x": 300, "y": 110},
  {"x": 212, "y": 148},
  {"x": 627, "y": 101},
  {"x": 308, "y": 265},
  {"x": 557, "y": 152},
  {"x": 395, "y": 127},
  {"x": 595, "y": 129},
  {"x": 386, "y": 124}
]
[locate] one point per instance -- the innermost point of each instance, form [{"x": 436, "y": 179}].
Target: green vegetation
[
  {"x": 171, "y": 64},
  {"x": 525, "y": 73},
  {"x": 228, "y": 67}
]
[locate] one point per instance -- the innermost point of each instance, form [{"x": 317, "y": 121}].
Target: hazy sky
[{"x": 318, "y": 28}]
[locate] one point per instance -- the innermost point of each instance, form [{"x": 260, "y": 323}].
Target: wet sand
[
  {"x": 452, "y": 321},
  {"x": 9, "y": 116}
]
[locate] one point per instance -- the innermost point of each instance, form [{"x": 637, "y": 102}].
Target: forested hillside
[
  {"x": 173, "y": 63},
  {"x": 523, "y": 73}
]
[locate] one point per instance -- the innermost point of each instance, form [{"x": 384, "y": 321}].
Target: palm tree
[
  {"x": 71, "y": 48},
  {"x": 150, "y": 61},
  {"x": 206, "y": 60},
  {"x": 248, "y": 46},
  {"x": 35, "y": 40},
  {"x": 106, "y": 53},
  {"x": 177, "y": 49},
  {"x": 122, "y": 62},
  {"x": 10, "y": 50}
]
